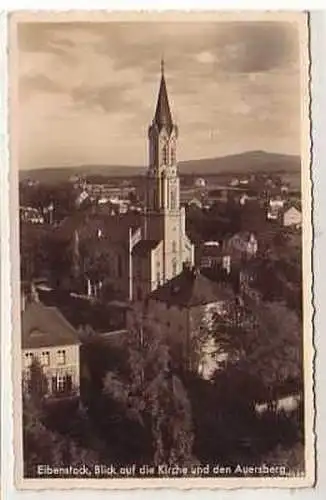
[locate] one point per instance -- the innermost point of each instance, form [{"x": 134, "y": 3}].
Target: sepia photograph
[{"x": 161, "y": 249}]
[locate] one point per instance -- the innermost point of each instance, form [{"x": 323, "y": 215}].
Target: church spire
[{"x": 163, "y": 117}]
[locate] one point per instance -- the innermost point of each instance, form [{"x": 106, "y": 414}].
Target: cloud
[
  {"x": 107, "y": 98},
  {"x": 205, "y": 57},
  {"x": 38, "y": 83},
  {"x": 84, "y": 84},
  {"x": 257, "y": 47}
]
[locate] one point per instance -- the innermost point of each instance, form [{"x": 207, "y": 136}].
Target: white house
[
  {"x": 185, "y": 308},
  {"x": 292, "y": 217},
  {"x": 49, "y": 338},
  {"x": 243, "y": 244}
]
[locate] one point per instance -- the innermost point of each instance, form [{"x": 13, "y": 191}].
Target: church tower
[
  {"x": 165, "y": 219},
  {"x": 163, "y": 180}
]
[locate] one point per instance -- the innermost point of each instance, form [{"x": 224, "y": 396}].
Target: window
[
  {"x": 174, "y": 268},
  {"x": 173, "y": 156},
  {"x": 62, "y": 384},
  {"x": 174, "y": 246},
  {"x": 165, "y": 155},
  {"x": 45, "y": 358},
  {"x": 61, "y": 357},
  {"x": 158, "y": 278},
  {"x": 28, "y": 359}
]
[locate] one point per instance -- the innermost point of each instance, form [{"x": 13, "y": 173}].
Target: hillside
[{"x": 251, "y": 161}]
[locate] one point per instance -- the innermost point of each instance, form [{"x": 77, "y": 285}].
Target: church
[
  {"x": 148, "y": 259},
  {"x": 164, "y": 247},
  {"x": 143, "y": 251}
]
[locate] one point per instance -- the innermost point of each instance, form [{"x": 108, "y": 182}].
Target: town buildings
[{"x": 148, "y": 259}]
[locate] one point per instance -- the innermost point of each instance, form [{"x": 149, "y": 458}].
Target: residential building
[
  {"x": 49, "y": 338},
  {"x": 211, "y": 254},
  {"x": 292, "y": 216},
  {"x": 275, "y": 206},
  {"x": 31, "y": 215},
  {"x": 242, "y": 245},
  {"x": 185, "y": 310}
]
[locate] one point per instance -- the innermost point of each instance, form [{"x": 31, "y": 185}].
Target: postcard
[{"x": 161, "y": 250}]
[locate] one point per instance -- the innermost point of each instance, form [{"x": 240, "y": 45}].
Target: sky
[{"x": 87, "y": 91}]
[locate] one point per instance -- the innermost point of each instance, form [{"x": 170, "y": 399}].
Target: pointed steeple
[{"x": 163, "y": 117}]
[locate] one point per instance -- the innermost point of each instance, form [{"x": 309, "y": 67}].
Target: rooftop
[
  {"x": 44, "y": 326},
  {"x": 190, "y": 289},
  {"x": 114, "y": 228},
  {"x": 143, "y": 247}
]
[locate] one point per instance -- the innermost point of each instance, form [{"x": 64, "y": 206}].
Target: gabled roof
[
  {"x": 44, "y": 326},
  {"x": 144, "y": 247},
  {"x": 292, "y": 205},
  {"x": 163, "y": 117},
  {"x": 190, "y": 289}
]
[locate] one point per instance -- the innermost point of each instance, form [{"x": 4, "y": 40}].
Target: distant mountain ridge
[{"x": 242, "y": 163}]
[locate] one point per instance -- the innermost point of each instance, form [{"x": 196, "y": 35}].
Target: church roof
[
  {"x": 190, "y": 289},
  {"x": 44, "y": 326},
  {"x": 115, "y": 227},
  {"x": 144, "y": 247},
  {"x": 163, "y": 117}
]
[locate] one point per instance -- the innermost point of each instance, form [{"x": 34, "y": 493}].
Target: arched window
[
  {"x": 173, "y": 155},
  {"x": 165, "y": 154}
]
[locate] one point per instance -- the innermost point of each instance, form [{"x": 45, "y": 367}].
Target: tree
[
  {"x": 270, "y": 352},
  {"x": 153, "y": 395}
]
